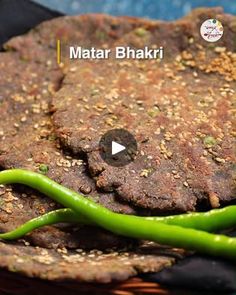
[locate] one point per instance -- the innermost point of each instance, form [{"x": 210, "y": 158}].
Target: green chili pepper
[
  {"x": 214, "y": 220},
  {"x": 211, "y": 221},
  {"x": 56, "y": 216},
  {"x": 127, "y": 225}
]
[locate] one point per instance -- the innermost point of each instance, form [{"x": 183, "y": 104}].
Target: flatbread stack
[{"x": 180, "y": 110}]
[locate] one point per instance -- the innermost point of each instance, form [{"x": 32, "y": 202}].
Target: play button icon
[{"x": 118, "y": 147}]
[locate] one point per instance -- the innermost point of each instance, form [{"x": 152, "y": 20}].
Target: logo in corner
[{"x": 211, "y": 30}]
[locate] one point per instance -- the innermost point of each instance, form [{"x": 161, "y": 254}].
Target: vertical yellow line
[{"x": 58, "y": 51}]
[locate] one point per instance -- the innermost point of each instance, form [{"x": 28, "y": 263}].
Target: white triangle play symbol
[{"x": 116, "y": 148}]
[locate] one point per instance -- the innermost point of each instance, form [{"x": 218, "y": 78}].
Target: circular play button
[{"x": 118, "y": 147}]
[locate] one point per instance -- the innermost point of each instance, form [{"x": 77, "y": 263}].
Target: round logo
[{"x": 211, "y": 30}]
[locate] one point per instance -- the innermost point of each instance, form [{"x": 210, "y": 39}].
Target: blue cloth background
[{"x": 156, "y": 9}]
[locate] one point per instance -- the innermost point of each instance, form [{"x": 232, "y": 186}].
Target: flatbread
[
  {"x": 28, "y": 141},
  {"x": 180, "y": 110}
]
